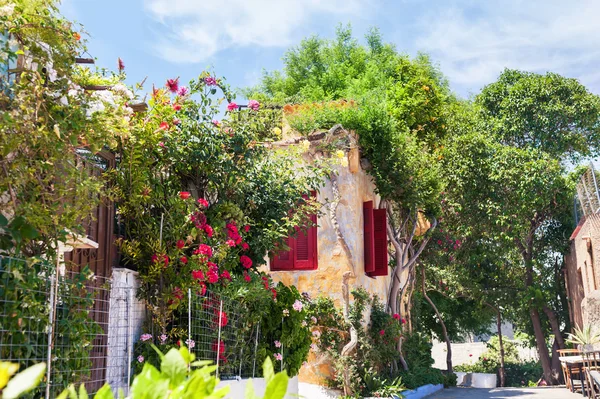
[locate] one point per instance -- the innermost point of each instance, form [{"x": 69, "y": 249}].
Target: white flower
[
  {"x": 304, "y": 323},
  {"x": 286, "y": 312},
  {"x": 123, "y": 90},
  {"x": 93, "y": 107},
  {"x": 190, "y": 343},
  {"x": 7, "y": 10}
]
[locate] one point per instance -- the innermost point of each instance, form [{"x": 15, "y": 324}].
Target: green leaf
[
  {"x": 249, "y": 394},
  {"x": 104, "y": 393},
  {"x": 24, "y": 382},
  {"x": 174, "y": 367},
  {"x": 83, "y": 392},
  {"x": 268, "y": 370},
  {"x": 29, "y": 232},
  {"x": 3, "y": 220},
  {"x": 277, "y": 387}
]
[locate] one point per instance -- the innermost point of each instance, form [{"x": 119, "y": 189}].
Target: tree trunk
[
  {"x": 501, "y": 347},
  {"x": 444, "y": 330},
  {"x": 540, "y": 341},
  {"x": 556, "y": 367},
  {"x": 555, "y": 327}
]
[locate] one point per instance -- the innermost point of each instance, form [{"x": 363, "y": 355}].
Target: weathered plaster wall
[{"x": 354, "y": 189}]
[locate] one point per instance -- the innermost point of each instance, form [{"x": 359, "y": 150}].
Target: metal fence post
[
  {"x": 189, "y": 318},
  {"x": 129, "y": 335},
  {"x": 219, "y": 336},
  {"x": 52, "y": 304},
  {"x": 255, "y": 349}
]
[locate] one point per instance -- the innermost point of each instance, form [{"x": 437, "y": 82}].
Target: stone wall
[{"x": 582, "y": 274}]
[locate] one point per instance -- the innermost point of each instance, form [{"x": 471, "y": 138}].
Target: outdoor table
[{"x": 573, "y": 361}]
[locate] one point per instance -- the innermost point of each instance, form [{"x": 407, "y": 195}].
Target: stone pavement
[{"x": 509, "y": 393}]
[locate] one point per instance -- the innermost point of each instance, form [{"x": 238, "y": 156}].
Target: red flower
[
  {"x": 212, "y": 276},
  {"x": 403, "y": 321},
  {"x": 176, "y": 107},
  {"x": 178, "y": 293},
  {"x": 247, "y": 228},
  {"x": 247, "y": 277},
  {"x": 246, "y": 261},
  {"x": 203, "y": 203},
  {"x": 274, "y": 292},
  {"x": 154, "y": 258},
  {"x": 245, "y": 246},
  {"x": 470, "y": 355},
  {"x": 382, "y": 332},
  {"x": 396, "y": 316},
  {"x": 226, "y": 275},
  {"x": 204, "y": 249},
  {"x": 184, "y": 195},
  {"x": 221, "y": 318},
  {"x": 232, "y": 107},
  {"x": 163, "y": 126},
  {"x": 231, "y": 243},
  {"x": 208, "y": 230},
  {"x": 439, "y": 242},
  {"x": 184, "y": 260},
  {"x": 180, "y": 244},
  {"x": 173, "y": 85},
  {"x": 166, "y": 260},
  {"x": 213, "y": 266},
  {"x": 202, "y": 289},
  {"x": 218, "y": 346},
  {"x": 197, "y": 275}
]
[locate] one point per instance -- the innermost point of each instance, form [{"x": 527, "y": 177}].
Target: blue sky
[{"x": 472, "y": 40}]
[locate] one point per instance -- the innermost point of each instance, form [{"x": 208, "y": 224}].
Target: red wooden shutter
[
  {"x": 368, "y": 237},
  {"x": 306, "y": 247},
  {"x": 284, "y": 260},
  {"x": 380, "y": 242}
]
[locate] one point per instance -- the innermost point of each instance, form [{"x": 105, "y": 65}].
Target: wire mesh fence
[{"x": 85, "y": 328}]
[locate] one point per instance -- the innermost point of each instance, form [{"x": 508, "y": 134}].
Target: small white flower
[
  {"x": 7, "y": 10},
  {"x": 286, "y": 312},
  {"x": 122, "y": 90}
]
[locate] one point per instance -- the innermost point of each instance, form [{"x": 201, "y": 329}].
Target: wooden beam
[{"x": 80, "y": 60}]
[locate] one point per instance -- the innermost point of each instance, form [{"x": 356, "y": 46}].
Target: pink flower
[
  {"x": 396, "y": 316},
  {"x": 382, "y": 332},
  {"x": 297, "y": 305},
  {"x": 314, "y": 347},
  {"x": 316, "y": 334},
  {"x": 247, "y": 277},
  {"x": 180, "y": 244},
  {"x": 212, "y": 276},
  {"x": 176, "y": 121},
  {"x": 210, "y": 81},
  {"x": 208, "y": 230},
  {"x": 278, "y": 356},
  {"x": 277, "y": 344},
  {"x": 163, "y": 338},
  {"x": 203, "y": 203},
  {"x": 190, "y": 343},
  {"x": 245, "y": 246},
  {"x": 202, "y": 289},
  {"x": 140, "y": 359},
  {"x": 231, "y": 243},
  {"x": 184, "y": 195},
  {"x": 176, "y": 107},
  {"x": 146, "y": 337},
  {"x": 216, "y": 123},
  {"x": 246, "y": 261},
  {"x": 182, "y": 91},
  {"x": 403, "y": 321},
  {"x": 253, "y": 105},
  {"x": 163, "y": 126},
  {"x": 313, "y": 319},
  {"x": 197, "y": 275},
  {"x": 120, "y": 64},
  {"x": 232, "y": 107},
  {"x": 246, "y": 228},
  {"x": 184, "y": 260},
  {"x": 173, "y": 85},
  {"x": 304, "y": 323},
  {"x": 161, "y": 145}
]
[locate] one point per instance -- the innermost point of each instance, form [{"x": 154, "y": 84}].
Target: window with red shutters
[
  {"x": 368, "y": 237},
  {"x": 302, "y": 253},
  {"x": 380, "y": 243}
]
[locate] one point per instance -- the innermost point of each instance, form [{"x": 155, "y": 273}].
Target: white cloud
[
  {"x": 194, "y": 30},
  {"x": 474, "y": 41}
]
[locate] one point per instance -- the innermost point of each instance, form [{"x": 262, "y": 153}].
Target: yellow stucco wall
[{"x": 354, "y": 188}]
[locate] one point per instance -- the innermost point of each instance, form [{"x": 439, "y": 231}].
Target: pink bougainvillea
[
  {"x": 204, "y": 249},
  {"x": 210, "y": 81},
  {"x": 182, "y": 91},
  {"x": 232, "y": 107},
  {"x": 253, "y": 105},
  {"x": 197, "y": 275},
  {"x": 203, "y": 203}
]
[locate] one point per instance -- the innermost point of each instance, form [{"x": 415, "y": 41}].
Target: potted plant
[{"x": 584, "y": 339}]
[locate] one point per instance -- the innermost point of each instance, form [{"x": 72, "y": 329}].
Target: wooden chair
[
  {"x": 569, "y": 370},
  {"x": 591, "y": 367}
]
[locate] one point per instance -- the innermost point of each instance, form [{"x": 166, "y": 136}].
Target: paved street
[{"x": 500, "y": 393}]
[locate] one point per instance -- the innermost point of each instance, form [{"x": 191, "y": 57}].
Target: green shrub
[
  {"x": 417, "y": 350},
  {"x": 419, "y": 376},
  {"x": 450, "y": 380}
]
